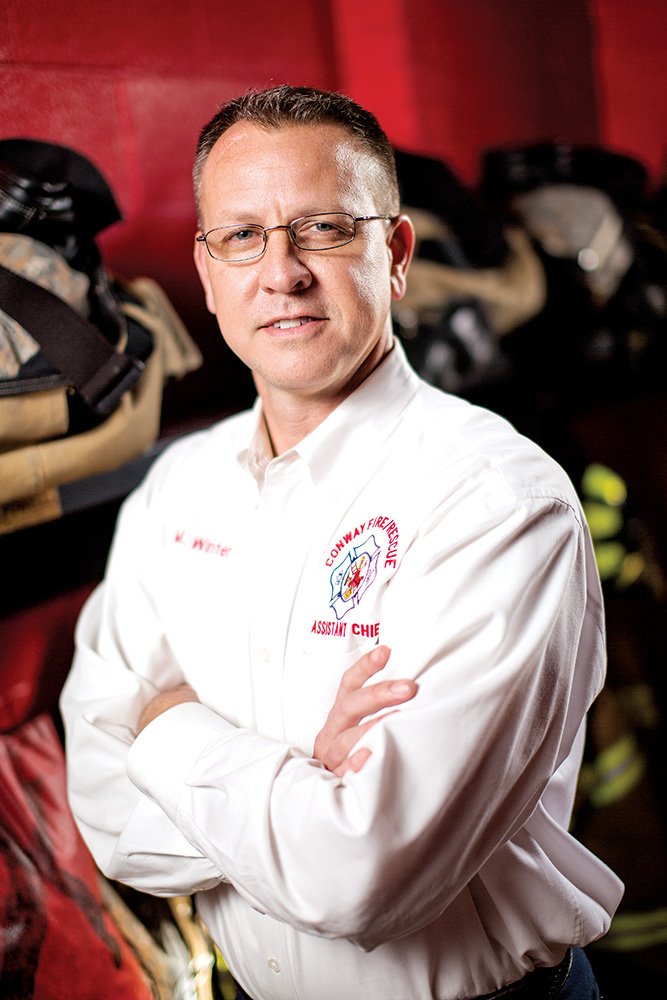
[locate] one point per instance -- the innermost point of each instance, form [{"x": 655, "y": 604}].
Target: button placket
[{"x": 279, "y": 533}]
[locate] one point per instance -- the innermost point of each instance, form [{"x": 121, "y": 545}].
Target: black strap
[{"x": 85, "y": 357}]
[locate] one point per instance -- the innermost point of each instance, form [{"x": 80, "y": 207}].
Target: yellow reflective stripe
[
  {"x": 603, "y": 521},
  {"x": 609, "y": 557},
  {"x": 618, "y": 769},
  {"x": 633, "y": 931},
  {"x": 226, "y": 984},
  {"x": 632, "y": 569},
  {"x": 601, "y": 483}
]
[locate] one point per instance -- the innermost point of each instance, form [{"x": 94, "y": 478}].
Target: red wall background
[
  {"x": 630, "y": 60},
  {"x": 130, "y": 83}
]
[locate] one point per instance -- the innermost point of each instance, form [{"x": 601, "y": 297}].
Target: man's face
[{"x": 340, "y": 297}]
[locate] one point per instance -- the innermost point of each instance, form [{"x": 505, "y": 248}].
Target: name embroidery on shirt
[{"x": 200, "y": 544}]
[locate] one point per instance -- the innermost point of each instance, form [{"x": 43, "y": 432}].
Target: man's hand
[
  {"x": 344, "y": 727},
  {"x": 164, "y": 700}
]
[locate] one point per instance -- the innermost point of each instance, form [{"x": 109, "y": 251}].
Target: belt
[{"x": 540, "y": 984}]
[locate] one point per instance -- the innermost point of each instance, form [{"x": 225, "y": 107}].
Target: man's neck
[
  {"x": 289, "y": 420},
  {"x": 291, "y": 416}
]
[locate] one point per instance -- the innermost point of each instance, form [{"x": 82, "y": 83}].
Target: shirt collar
[
  {"x": 258, "y": 453},
  {"x": 350, "y": 434}
]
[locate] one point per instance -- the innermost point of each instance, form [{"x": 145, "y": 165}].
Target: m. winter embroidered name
[{"x": 200, "y": 544}]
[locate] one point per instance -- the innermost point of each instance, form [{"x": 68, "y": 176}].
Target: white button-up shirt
[{"x": 443, "y": 869}]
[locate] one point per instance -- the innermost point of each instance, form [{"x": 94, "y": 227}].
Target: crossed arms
[{"x": 347, "y": 721}]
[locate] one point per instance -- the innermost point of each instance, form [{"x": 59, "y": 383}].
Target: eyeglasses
[{"x": 326, "y": 231}]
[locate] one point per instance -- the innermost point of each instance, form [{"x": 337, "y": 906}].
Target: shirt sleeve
[
  {"x": 501, "y": 626},
  {"x": 118, "y": 668}
]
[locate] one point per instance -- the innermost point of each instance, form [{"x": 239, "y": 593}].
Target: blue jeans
[{"x": 580, "y": 984}]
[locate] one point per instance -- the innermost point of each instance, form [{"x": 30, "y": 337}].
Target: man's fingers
[
  {"x": 352, "y": 707},
  {"x": 356, "y": 701},
  {"x": 332, "y": 747},
  {"x": 365, "y": 667},
  {"x": 337, "y": 750},
  {"x": 354, "y": 762},
  {"x": 342, "y": 713}
]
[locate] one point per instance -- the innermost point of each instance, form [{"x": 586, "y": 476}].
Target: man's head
[
  {"x": 278, "y": 170},
  {"x": 285, "y": 105}
]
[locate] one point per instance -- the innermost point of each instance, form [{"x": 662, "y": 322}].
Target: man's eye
[
  {"x": 319, "y": 228},
  {"x": 322, "y": 232},
  {"x": 241, "y": 235}
]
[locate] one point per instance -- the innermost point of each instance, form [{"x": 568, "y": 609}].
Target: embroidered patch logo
[{"x": 352, "y": 577}]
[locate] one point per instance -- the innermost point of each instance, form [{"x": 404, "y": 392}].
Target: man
[{"x": 347, "y": 836}]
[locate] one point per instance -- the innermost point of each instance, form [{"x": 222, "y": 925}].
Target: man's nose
[{"x": 282, "y": 264}]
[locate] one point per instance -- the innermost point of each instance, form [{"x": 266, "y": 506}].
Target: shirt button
[
  {"x": 264, "y": 655},
  {"x": 274, "y": 965}
]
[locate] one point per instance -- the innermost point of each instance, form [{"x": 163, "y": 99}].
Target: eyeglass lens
[{"x": 313, "y": 232}]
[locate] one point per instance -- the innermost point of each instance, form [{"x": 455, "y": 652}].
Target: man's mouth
[{"x": 289, "y": 324}]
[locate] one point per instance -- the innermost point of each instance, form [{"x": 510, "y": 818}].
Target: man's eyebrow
[
  {"x": 228, "y": 218},
  {"x": 231, "y": 218}
]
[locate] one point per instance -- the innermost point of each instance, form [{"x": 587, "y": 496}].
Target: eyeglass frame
[{"x": 265, "y": 230}]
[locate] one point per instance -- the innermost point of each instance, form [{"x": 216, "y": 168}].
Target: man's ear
[
  {"x": 402, "y": 245},
  {"x": 201, "y": 257}
]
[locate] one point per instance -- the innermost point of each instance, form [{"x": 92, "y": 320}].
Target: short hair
[{"x": 287, "y": 105}]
